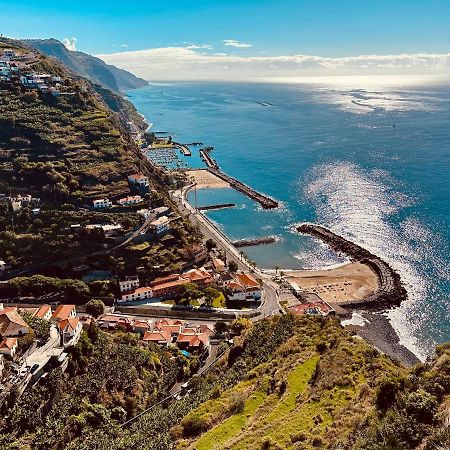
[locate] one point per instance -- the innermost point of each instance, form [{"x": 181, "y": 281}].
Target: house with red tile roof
[
  {"x": 12, "y": 323},
  {"x": 8, "y": 347},
  {"x": 141, "y": 326},
  {"x": 193, "y": 342},
  {"x": 44, "y": 312},
  {"x": 63, "y": 312},
  {"x": 160, "y": 337},
  {"x": 70, "y": 330},
  {"x": 200, "y": 276},
  {"x": 243, "y": 286}
]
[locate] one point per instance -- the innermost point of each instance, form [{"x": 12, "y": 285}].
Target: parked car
[{"x": 34, "y": 368}]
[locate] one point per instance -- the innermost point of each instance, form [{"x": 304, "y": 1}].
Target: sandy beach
[
  {"x": 206, "y": 180},
  {"x": 352, "y": 281}
]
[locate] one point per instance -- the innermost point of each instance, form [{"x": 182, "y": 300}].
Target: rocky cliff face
[{"x": 88, "y": 66}]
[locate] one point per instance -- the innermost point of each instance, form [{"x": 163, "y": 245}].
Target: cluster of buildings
[
  {"x": 192, "y": 338},
  {"x": 242, "y": 287},
  {"x": 13, "y": 326},
  {"x": 12, "y": 62},
  {"x": 17, "y": 65},
  {"x": 164, "y": 286},
  {"x": 20, "y": 201}
]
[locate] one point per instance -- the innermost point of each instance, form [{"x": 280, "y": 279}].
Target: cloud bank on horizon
[{"x": 190, "y": 63}]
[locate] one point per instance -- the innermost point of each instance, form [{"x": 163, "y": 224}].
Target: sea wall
[{"x": 390, "y": 291}]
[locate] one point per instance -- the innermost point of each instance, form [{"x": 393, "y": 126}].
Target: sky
[{"x": 199, "y": 39}]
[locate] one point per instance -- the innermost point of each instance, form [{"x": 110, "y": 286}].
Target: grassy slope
[{"x": 303, "y": 398}]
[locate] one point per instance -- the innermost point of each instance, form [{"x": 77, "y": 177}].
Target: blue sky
[{"x": 324, "y": 28}]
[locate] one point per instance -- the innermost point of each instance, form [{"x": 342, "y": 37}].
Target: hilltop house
[
  {"x": 102, "y": 203},
  {"x": 129, "y": 201},
  {"x": 140, "y": 293},
  {"x": 138, "y": 179},
  {"x": 195, "y": 253},
  {"x": 129, "y": 284},
  {"x": 160, "y": 225}
]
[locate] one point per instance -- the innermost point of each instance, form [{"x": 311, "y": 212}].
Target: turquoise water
[{"x": 330, "y": 154}]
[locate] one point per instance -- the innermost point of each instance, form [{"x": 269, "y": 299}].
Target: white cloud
[
  {"x": 234, "y": 43},
  {"x": 70, "y": 43},
  {"x": 182, "y": 63},
  {"x": 203, "y": 46}
]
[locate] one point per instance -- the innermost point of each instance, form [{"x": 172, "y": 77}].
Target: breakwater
[
  {"x": 265, "y": 201},
  {"x": 390, "y": 291},
  {"x": 218, "y": 206},
  {"x": 209, "y": 161},
  {"x": 253, "y": 242}
]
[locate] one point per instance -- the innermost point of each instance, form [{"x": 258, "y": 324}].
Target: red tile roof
[
  {"x": 42, "y": 311},
  {"x": 63, "y": 312},
  {"x": 71, "y": 322},
  {"x": 157, "y": 336},
  {"x": 8, "y": 343}
]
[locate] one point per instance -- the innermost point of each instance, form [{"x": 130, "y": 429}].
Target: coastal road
[{"x": 270, "y": 299}]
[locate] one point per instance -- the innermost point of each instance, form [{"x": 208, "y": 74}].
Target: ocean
[{"x": 367, "y": 157}]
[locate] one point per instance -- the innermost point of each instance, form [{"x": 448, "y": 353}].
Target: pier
[
  {"x": 390, "y": 290},
  {"x": 254, "y": 242},
  {"x": 265, "y": 201},
  {"x": 218, "y": 206}
]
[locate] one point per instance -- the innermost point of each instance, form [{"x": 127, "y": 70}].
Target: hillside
[
  {"x": 285, "y": 383},
  {"x": 65, "y": 146},
  {"x": 108, "y": 76}
]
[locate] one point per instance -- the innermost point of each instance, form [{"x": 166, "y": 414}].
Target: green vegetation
[
  {"x": 286, "y": 383},
  {"x": 95, "y": 307}
]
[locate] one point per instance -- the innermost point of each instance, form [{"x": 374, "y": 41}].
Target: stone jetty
[
  {"x": 253, "y": 242},
  {"x": 218, "y": 206},
  {"x": 390, "y": 291},
  {"x": 265, "y": 201}
]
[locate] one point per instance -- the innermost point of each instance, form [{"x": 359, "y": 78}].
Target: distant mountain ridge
[{"x": 108, "y": 76}]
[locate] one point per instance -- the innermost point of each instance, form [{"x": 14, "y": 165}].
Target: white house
[
  {"x": 138, "y": 179},
  {"x": 70, "y": 330},
  {"x": 129, "y": 284},
  {"x": 160, "y": 225},
  {"x": 63, "y": 312},
  {"x": 102, "y": 203},
  {"x": 5, "y": 69},
  {"x": 9, "y": 53},
  {"x": 145, "y": 213},
  {"x": 128, "y": 201},
  {"x": 9, "y": 347},
  {"x": 243, "y": 287},
  {"x": 2, "y": 266},
  {"x": 140, "y": 293}
]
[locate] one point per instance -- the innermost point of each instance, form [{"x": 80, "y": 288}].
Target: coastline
[{"x": 377, "y": 330}]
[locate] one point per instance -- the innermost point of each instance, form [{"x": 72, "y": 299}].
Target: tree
[
  {"x": 239, "y": 325},
  {"x": 95, "y": 307},
  {"x": 210, "y": 244},
  {"x": 232, "y": 266},
  {"x": 210, "y": 295},
  {"x": 220, "y": 327}
]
